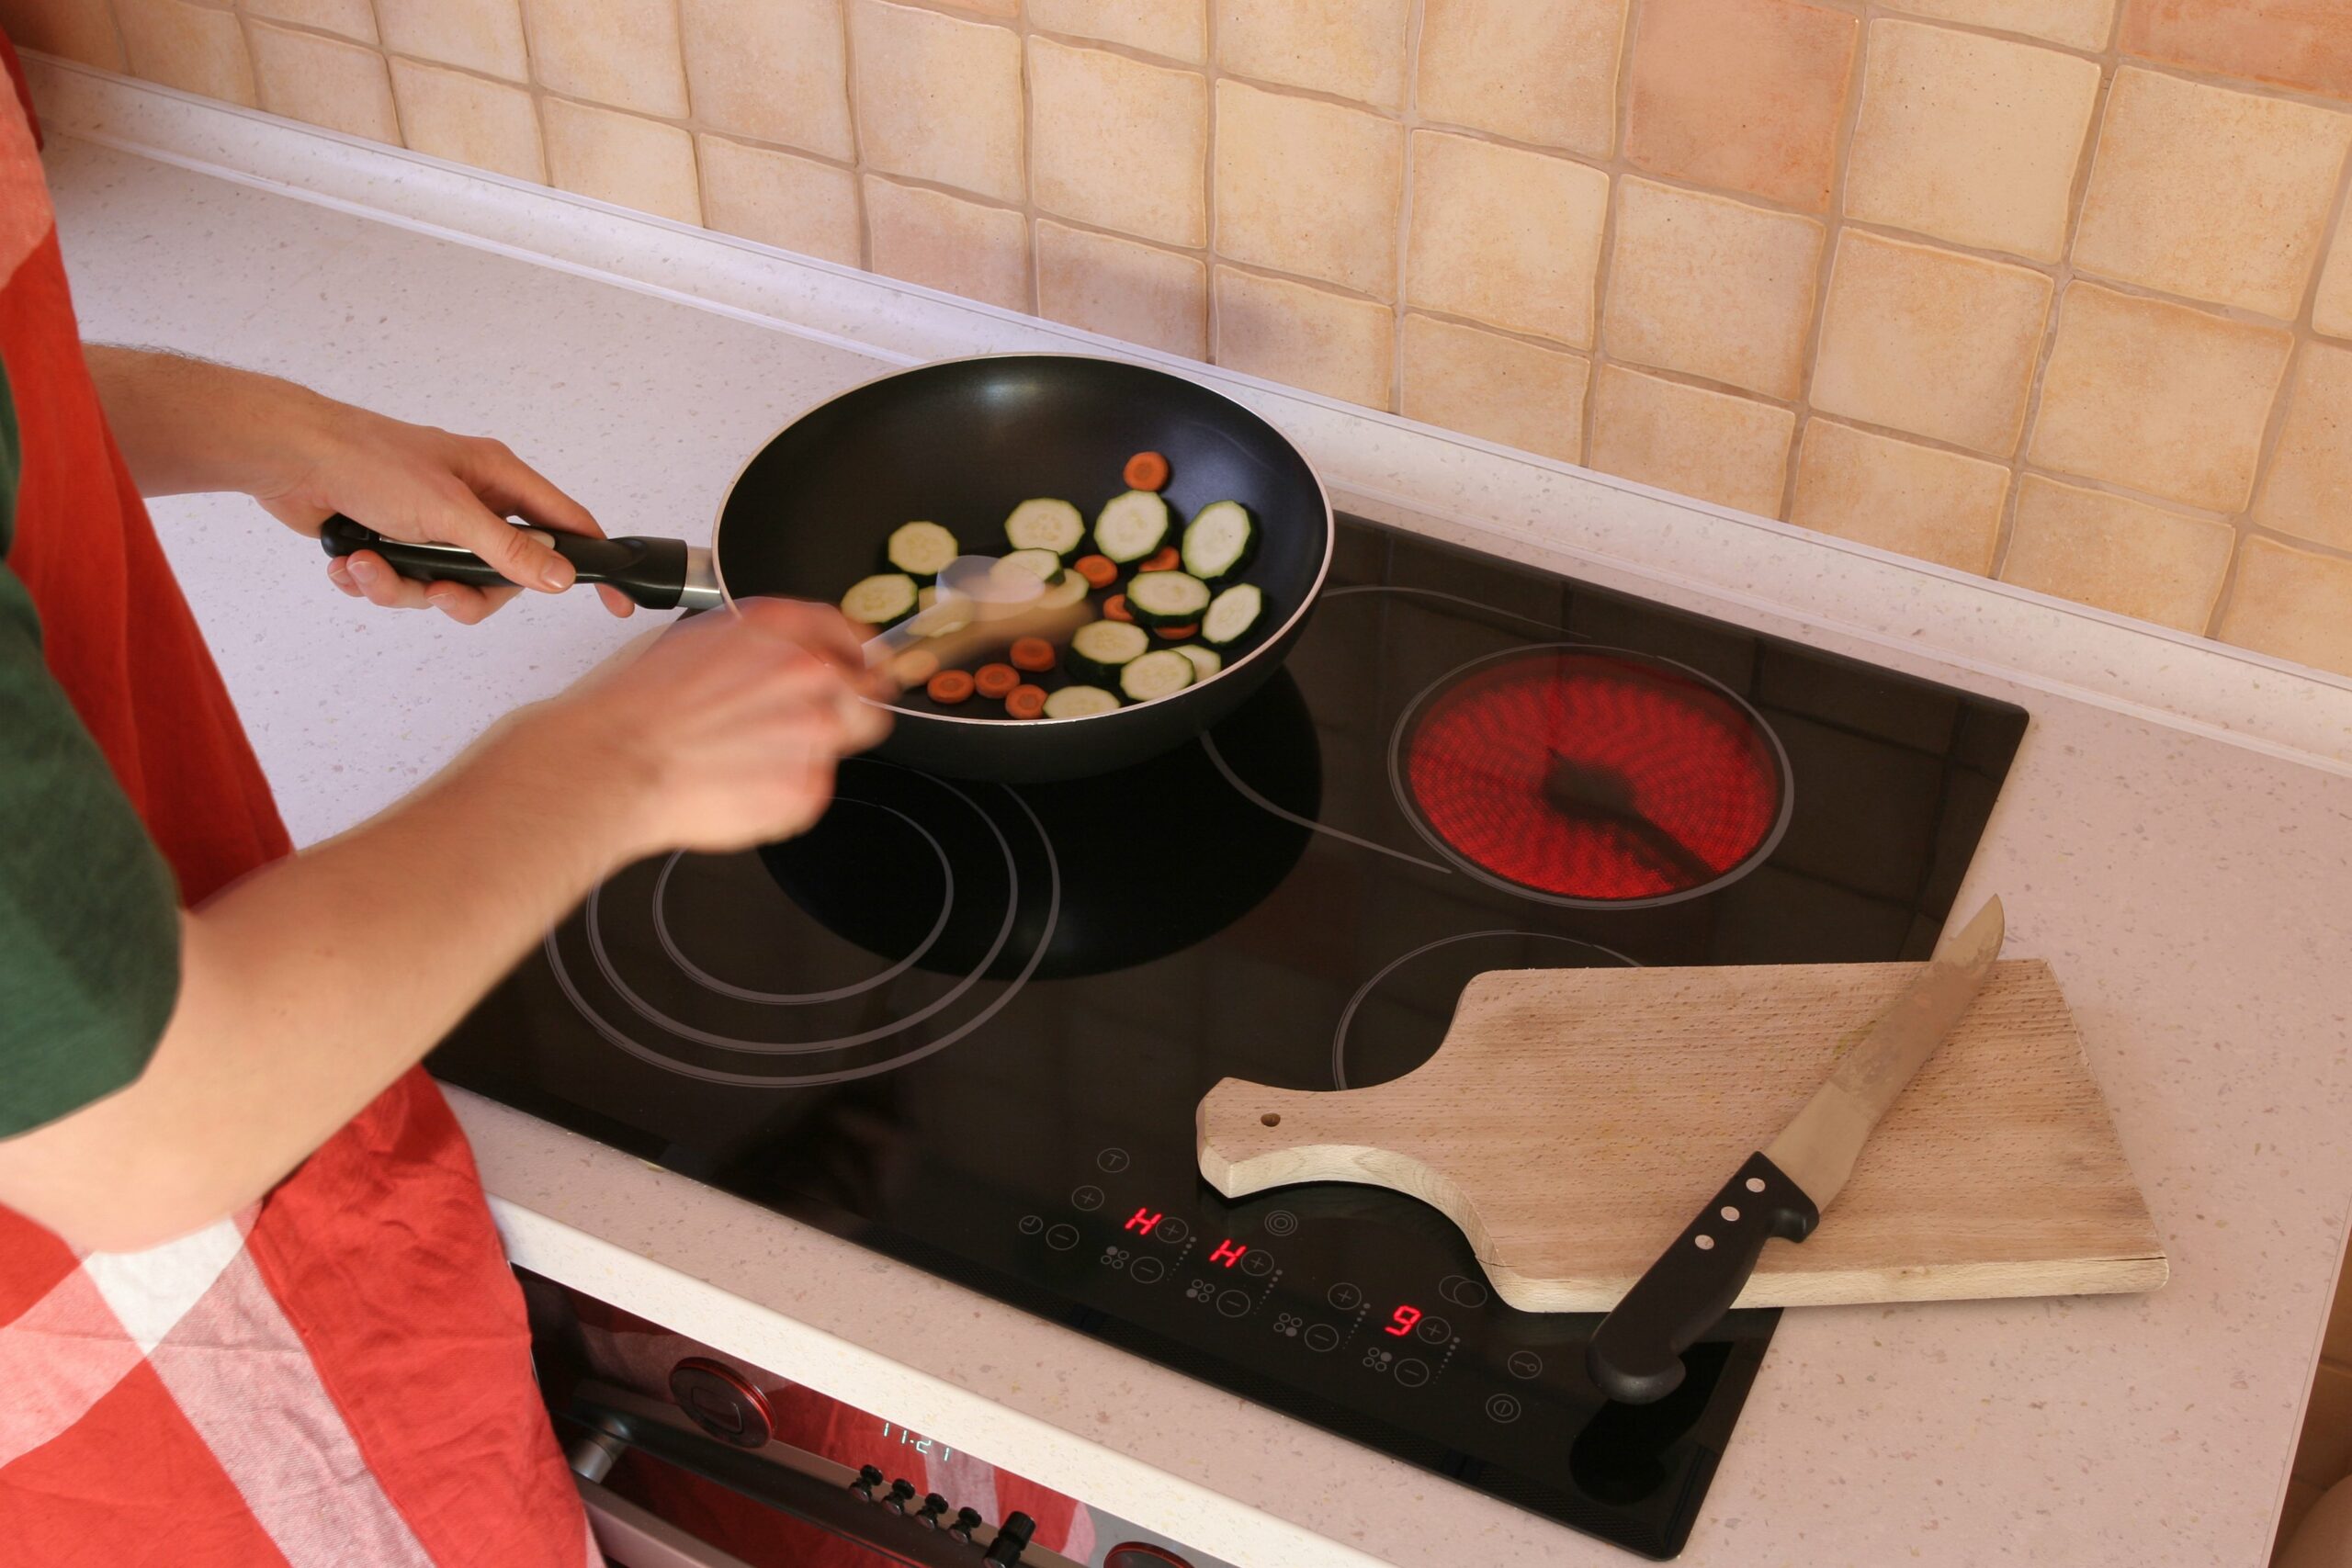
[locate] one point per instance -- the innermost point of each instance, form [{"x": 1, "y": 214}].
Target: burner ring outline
[
  {"x": 802, "y": 998},
  {"x": 1348, "y": 1013},
  {"x": 1414, "y": 814}
]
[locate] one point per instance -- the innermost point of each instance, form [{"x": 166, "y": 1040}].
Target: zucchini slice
[
  {"x": 1068, "y": 590},
  {"x": 1220, "y": 541},
  {"x": 920, "y": 549},
  {"x": 1231, "y": 615},
  {"x": 1160, "y": 674},
  {"x": 1130, "y": 526},
  {"x": 1100, "y": 650},
  {"x": 1081, "y": 702},
  {"x": 1206, "y": 661},
  {"x": 1046, "y": 525},
  {"x": 1167, "y": 598},
  {"x": 880, "y": 599},
  {"x": 1045, "y": 563}
]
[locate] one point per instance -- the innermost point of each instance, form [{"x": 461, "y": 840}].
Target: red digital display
[
  {"x": 1143, "y": 1220},
  {"x": 1227, "y": 1254},
  {"x": 1401, "y": 1320}
]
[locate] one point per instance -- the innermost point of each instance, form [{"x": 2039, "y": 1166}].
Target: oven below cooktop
[{"x": 966, "y": 1025}]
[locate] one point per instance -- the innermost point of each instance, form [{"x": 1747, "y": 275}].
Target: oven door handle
[
  {"x": 787, "y": 1479},
  {"x": 633, "y": 1538}
]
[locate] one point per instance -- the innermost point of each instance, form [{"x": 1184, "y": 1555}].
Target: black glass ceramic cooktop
[{"x": 966, "y": 1025}]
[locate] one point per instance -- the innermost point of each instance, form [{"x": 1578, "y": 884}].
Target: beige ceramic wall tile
[
  {"x": 1506, "y": 237},
  {"x": 2294, "y": 43},
  {"x": 193, "y": 48},
  {"x": 2158, "y": 396},
  {"x": 794, "y": 204},
  {"x": 2214, "y": 194},
  {"x": 2308, "y": 491},
  {"x": 1929, "y": 341},
  {"x": 1308, "y": 187},
  {"x": 1541, "y": 71},
  {"x": 770, "y": 69},
  {"x": 1718, "y": 447},
  {"x": 76, "y": 29},
  {"x": 622, "y": 52},
  {"x": 351, "y": 18},
  {"x": 2085, "y": 24},
  {"x": 1969, "y": 138},
  {"x": 988, "y": 7},
  {"x": 944, "y": 241},
  {"x": 2332, "y": 309},
  {"x": 1913, "y": 500},
  {"x": 1119, "y": 143},
  {"x": 459, "y": 116},
  {"x": 938, "y": 98},
  {"x": 1178, "y": 28},
  {"x": 1351, "y": 48},
  {"x": 1711, "y": 287},
  {"x": 1742, "y": 94},
  {"x": 482, "y": 35},
  {"x": 1495, "y": 388},
  {"x": 2118, "y": 554},
  {"x": 1134, "y": 292},
  {"x": 1305, "y": 336},
  {"x": 621, "y": 158},
  {"x": 325, "y": 81}
]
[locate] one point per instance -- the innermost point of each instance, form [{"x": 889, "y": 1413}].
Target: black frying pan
[{"x": 960, "y": 444}]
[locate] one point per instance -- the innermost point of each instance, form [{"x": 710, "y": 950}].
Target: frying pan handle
[{"x": 660, "y": 574}]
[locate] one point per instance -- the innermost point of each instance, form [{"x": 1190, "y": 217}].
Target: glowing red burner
[{"x": 1594, "y": 775}]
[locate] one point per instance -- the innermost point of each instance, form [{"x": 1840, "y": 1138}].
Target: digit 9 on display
[{"x": 1401, "y": 1320}]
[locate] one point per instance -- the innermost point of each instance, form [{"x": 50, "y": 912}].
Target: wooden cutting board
[{"x": 1573, "y": 1120}]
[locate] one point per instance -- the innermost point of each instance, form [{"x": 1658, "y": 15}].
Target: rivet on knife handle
[{"x": 1635, "y": 1355}]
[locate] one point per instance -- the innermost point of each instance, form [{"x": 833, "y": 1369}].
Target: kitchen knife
[{"x": 1635, "y": 1355}]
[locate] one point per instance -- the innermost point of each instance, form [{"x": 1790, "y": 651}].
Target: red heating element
[{"x": 1594, "y": 775}]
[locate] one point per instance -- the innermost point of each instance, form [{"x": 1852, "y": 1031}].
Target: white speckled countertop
[{"x": 2176, "y": 839}]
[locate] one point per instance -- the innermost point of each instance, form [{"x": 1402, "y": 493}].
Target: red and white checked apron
[{"x": 340, "y": 1374}]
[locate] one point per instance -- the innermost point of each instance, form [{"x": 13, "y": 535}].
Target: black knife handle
[
  {"x": 1636, "y": 1353},
  {"x": 650, "y": 571}
]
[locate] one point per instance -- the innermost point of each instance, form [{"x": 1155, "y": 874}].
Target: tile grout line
[
  {"x": 1416, "y": 18},
  {"x": 2061, "y": 282},
  {"x": 1020, "y": 20},
  {"x": 1834, "y": 227},
  {"x": 856, "y": 140},
  {"x": 2281, "y": 402},
  {"x": 1621, "y": 130},
  {"x": 1211, "y": 323}
]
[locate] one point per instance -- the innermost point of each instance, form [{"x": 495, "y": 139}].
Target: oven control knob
[
  {"x": 722, "y": 1401},
  {"x": 933, "y": 1505},
  {"x": 868, "y": 1478},
  {"x": 902, "y": 1492},
  {"x": 966, "y": 1521},
  {"x": 1004, "y": 1552}
]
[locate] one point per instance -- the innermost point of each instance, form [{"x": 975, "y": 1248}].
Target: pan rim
[{"x": 1307, "y": 601}]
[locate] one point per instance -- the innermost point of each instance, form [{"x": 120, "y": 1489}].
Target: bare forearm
[
  {"x": 187, "y": 425},
  {"x": 311, "y": 984}
]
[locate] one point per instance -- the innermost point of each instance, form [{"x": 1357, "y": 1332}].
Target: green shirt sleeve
[{"x": 89, "y": 915}]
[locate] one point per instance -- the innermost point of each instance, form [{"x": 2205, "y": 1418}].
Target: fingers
[
  {"x": 509, "y": 484},
  {"x": 364, "y": 574},
  {"x": 820, "y": 628},
  {"x": 461, "y": 518}
]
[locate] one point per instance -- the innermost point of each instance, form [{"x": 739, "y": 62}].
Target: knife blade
[{"x": 1635, "y": 1355}]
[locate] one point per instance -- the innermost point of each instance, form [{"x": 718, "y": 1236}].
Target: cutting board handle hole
[{"x": 1271, "y": 1118}]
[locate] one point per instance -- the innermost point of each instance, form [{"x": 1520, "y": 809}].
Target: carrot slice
[
  {"x": 1025, "y": 702},
  {"x": 1033, "y": 654},
  {"x": 951, "y": 687},
  {"x": 1146, "y": 470},
  {"x": 1165, "y": 558},
  {"x": 1099, "y": 571},
  {"x": 1114, "y": 608},
  {"x": 1176, "y": 634},
  {"x": 995, "y": 679}
]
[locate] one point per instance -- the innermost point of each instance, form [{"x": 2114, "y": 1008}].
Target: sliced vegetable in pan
[
  {"x": 1206, "y": 661},
  {"x": 1080, "y": 701},
  {"x": 920, "y": 549},
  {"x": 995, "y": 679},
  {"x": 1046, "y": 525},
  {"x": 1165, "y": 558},
  {"x": 1099, "y": 571},
  {"x": 1167, "y": 598},
  {"x": 950, "y": 687},
  {"x": 1131, "y": 525},
  {"x": 1101, "y": 649},
  {"x": 1220, "y": 541},
  {"x": 1025, "y": 702},
  {"x": 880, "y": 599},
  {"x": 1045, "y": 563},
  {"x": 1159, "y": 674},
  {"x": 1146, "y": 470},
  {"x": 1232, "y": 613}
]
